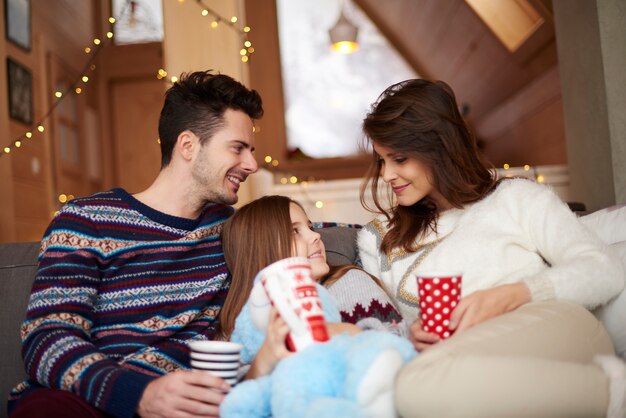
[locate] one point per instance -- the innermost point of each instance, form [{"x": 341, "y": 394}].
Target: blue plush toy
[{"x": 348, "y": 376}]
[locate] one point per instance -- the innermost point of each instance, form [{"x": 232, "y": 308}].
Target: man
[{"x": 125, "y": 281}]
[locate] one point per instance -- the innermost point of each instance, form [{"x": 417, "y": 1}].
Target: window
[
  {"x": 138, "y": 21},
  {"x": 327, "y": 94},
  {"x": 512, "y": 21}
]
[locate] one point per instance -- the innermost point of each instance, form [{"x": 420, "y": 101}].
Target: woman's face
[
  {"x": 409, "y": 178},
  {"x": 306, "y": 242}
]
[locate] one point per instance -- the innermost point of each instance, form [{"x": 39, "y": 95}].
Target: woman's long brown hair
[
  {"x": 257, "y": 235},
  {"x": 421, "y": 119}
]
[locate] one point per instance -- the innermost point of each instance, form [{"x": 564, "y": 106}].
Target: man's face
[{"x": 225, "y": 160}]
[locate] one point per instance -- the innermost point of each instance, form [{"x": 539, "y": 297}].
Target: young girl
[
  {"x": 273, "y": 228},
  {"x": 520, "y": 250}
]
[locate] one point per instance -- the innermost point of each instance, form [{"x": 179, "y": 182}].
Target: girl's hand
[
  {"x": 421, "y": 339},
  {"x": 338, "y": 328},
  {"x": 486, "y": 304},
  {"x": 273, "y": 349}
]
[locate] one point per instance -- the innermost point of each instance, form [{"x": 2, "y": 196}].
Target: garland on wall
[{"x": 100, "y": 43}]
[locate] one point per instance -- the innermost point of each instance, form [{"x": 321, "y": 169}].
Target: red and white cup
[
  {"x": 438, "y": 293},
  {"x": 292, "y": 290}
]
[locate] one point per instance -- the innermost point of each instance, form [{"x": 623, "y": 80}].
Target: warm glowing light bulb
[
  {"x": 85, "y": 79},
  {"x": 233, "y": 19},
  {"x": 244, "y": 58},
  {"x": 18, "y": 143},
  {"x": 540, "y": 178},
  {"x": 58, "y": 94},
  {"x": 205, "y": 12},
  {"x": 268, "y": 159},
  {"x": 40, "y": 128},
  {"x": 92, "y": 67},
  {"x": 506, "y": 166},
  {"x": 29, "y": 134},
  {"x": 526, "y": 167},
  {"x": 78, "y": 90},
  {"x": 214, "y": 24},
  {"x": 174, "y": 79},
  {"x": 159, "y": 141},
  {"x": 62, "y": 198},
  {"x": 345, "y": 47},
  {"x": 319, "y": 204},
  {"x": 243, "y": 51},
  {"x": 247, "y": 44},
  {"x": 293, "y": 179},
  {"x": 96, "y": 41},
  {"x": 251, "y": 50},
  {"x": 246, "y": 29},
  {"x": 70, "y": 196},
  {"x": 275, "y": 163},
  {"x": 284, "y": 180},
  {"x": 111, "y": 20},
  {"x": 109, "y": 35},
  {"x": 7, "y": 150},
  {"x": 87, "y": 50}
]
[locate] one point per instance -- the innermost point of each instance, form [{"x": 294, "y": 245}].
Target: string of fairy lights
[
  {"x": 93, "y": 50},
  {"x": 216, "y": 21}
]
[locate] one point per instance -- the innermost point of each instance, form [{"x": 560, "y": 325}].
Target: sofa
[{"x": 18, "y": 264}]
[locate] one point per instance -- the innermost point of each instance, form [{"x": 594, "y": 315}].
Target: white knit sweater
[{"x": 520, "y": 232}]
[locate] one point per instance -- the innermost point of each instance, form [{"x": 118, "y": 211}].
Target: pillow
[
  {"x": 608, "y": 223},
  {"x": 613, "y": 313},
  {"x": 340, "y": 243}
]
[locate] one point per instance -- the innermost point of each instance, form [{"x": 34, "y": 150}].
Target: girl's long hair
[
  {"x": 420, "y": 119},
  {"x": 257, "y": 235}
]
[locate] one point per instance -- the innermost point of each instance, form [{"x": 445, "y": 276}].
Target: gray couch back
[{"x": 18, "y": 266}]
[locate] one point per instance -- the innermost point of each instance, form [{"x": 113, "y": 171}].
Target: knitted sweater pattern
[
  {"x": 357, "y": 296},
  {"x": 522, "y": 231},
  {"x": 120, "y": 290}
]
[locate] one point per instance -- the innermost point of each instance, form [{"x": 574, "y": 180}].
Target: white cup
[{"x": 220, "y": 358}]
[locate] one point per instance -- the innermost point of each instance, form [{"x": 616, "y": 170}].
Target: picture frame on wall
[
  {"x": 17, "y": 15},
  {"x": 20, "y": 88}
]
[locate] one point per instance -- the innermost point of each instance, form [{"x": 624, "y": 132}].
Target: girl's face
[
  {"x": 307, "y": 243},
  {"x": 409, "y": 178}
]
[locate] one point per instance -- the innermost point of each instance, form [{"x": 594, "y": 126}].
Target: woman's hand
[
  {"x": 486, "y": 304},
  {"x": 421, "y": 339},
  {"x": 273, "y": 349}
]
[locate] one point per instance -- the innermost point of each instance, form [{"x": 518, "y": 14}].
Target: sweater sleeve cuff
[
  {"x": 540, "y": 288},
  {"x": 126, "y": 392}
]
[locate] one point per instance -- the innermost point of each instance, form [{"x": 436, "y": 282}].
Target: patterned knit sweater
[
  {"x": 120, "y": 290},
  {"x": 362, "y": 301}
]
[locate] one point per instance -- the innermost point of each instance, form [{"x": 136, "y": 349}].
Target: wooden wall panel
[
  {"x": 528, "y": 128},
  {"x": 136, "y": 107},
  {"x": 62, "y": 28}
]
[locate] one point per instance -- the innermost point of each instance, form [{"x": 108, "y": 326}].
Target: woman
[
  {"x": 520, "y": 249},
  {"x": 273, "y": 228}
]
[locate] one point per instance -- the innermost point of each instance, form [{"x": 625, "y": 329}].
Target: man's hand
[
  {"x": 183, "y": 394},
  {"x": 486, "y": 304}
]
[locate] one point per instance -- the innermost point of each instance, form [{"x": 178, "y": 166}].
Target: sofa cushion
[
  {"x": 340, "y": 243},
  {"x": 18, "y": 266},
  {"x": 613, "y": 313},
  {"x": 608, "y": 223}
]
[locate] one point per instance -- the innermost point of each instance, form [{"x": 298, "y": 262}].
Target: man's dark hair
[{"x": 197, "y": 102}]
